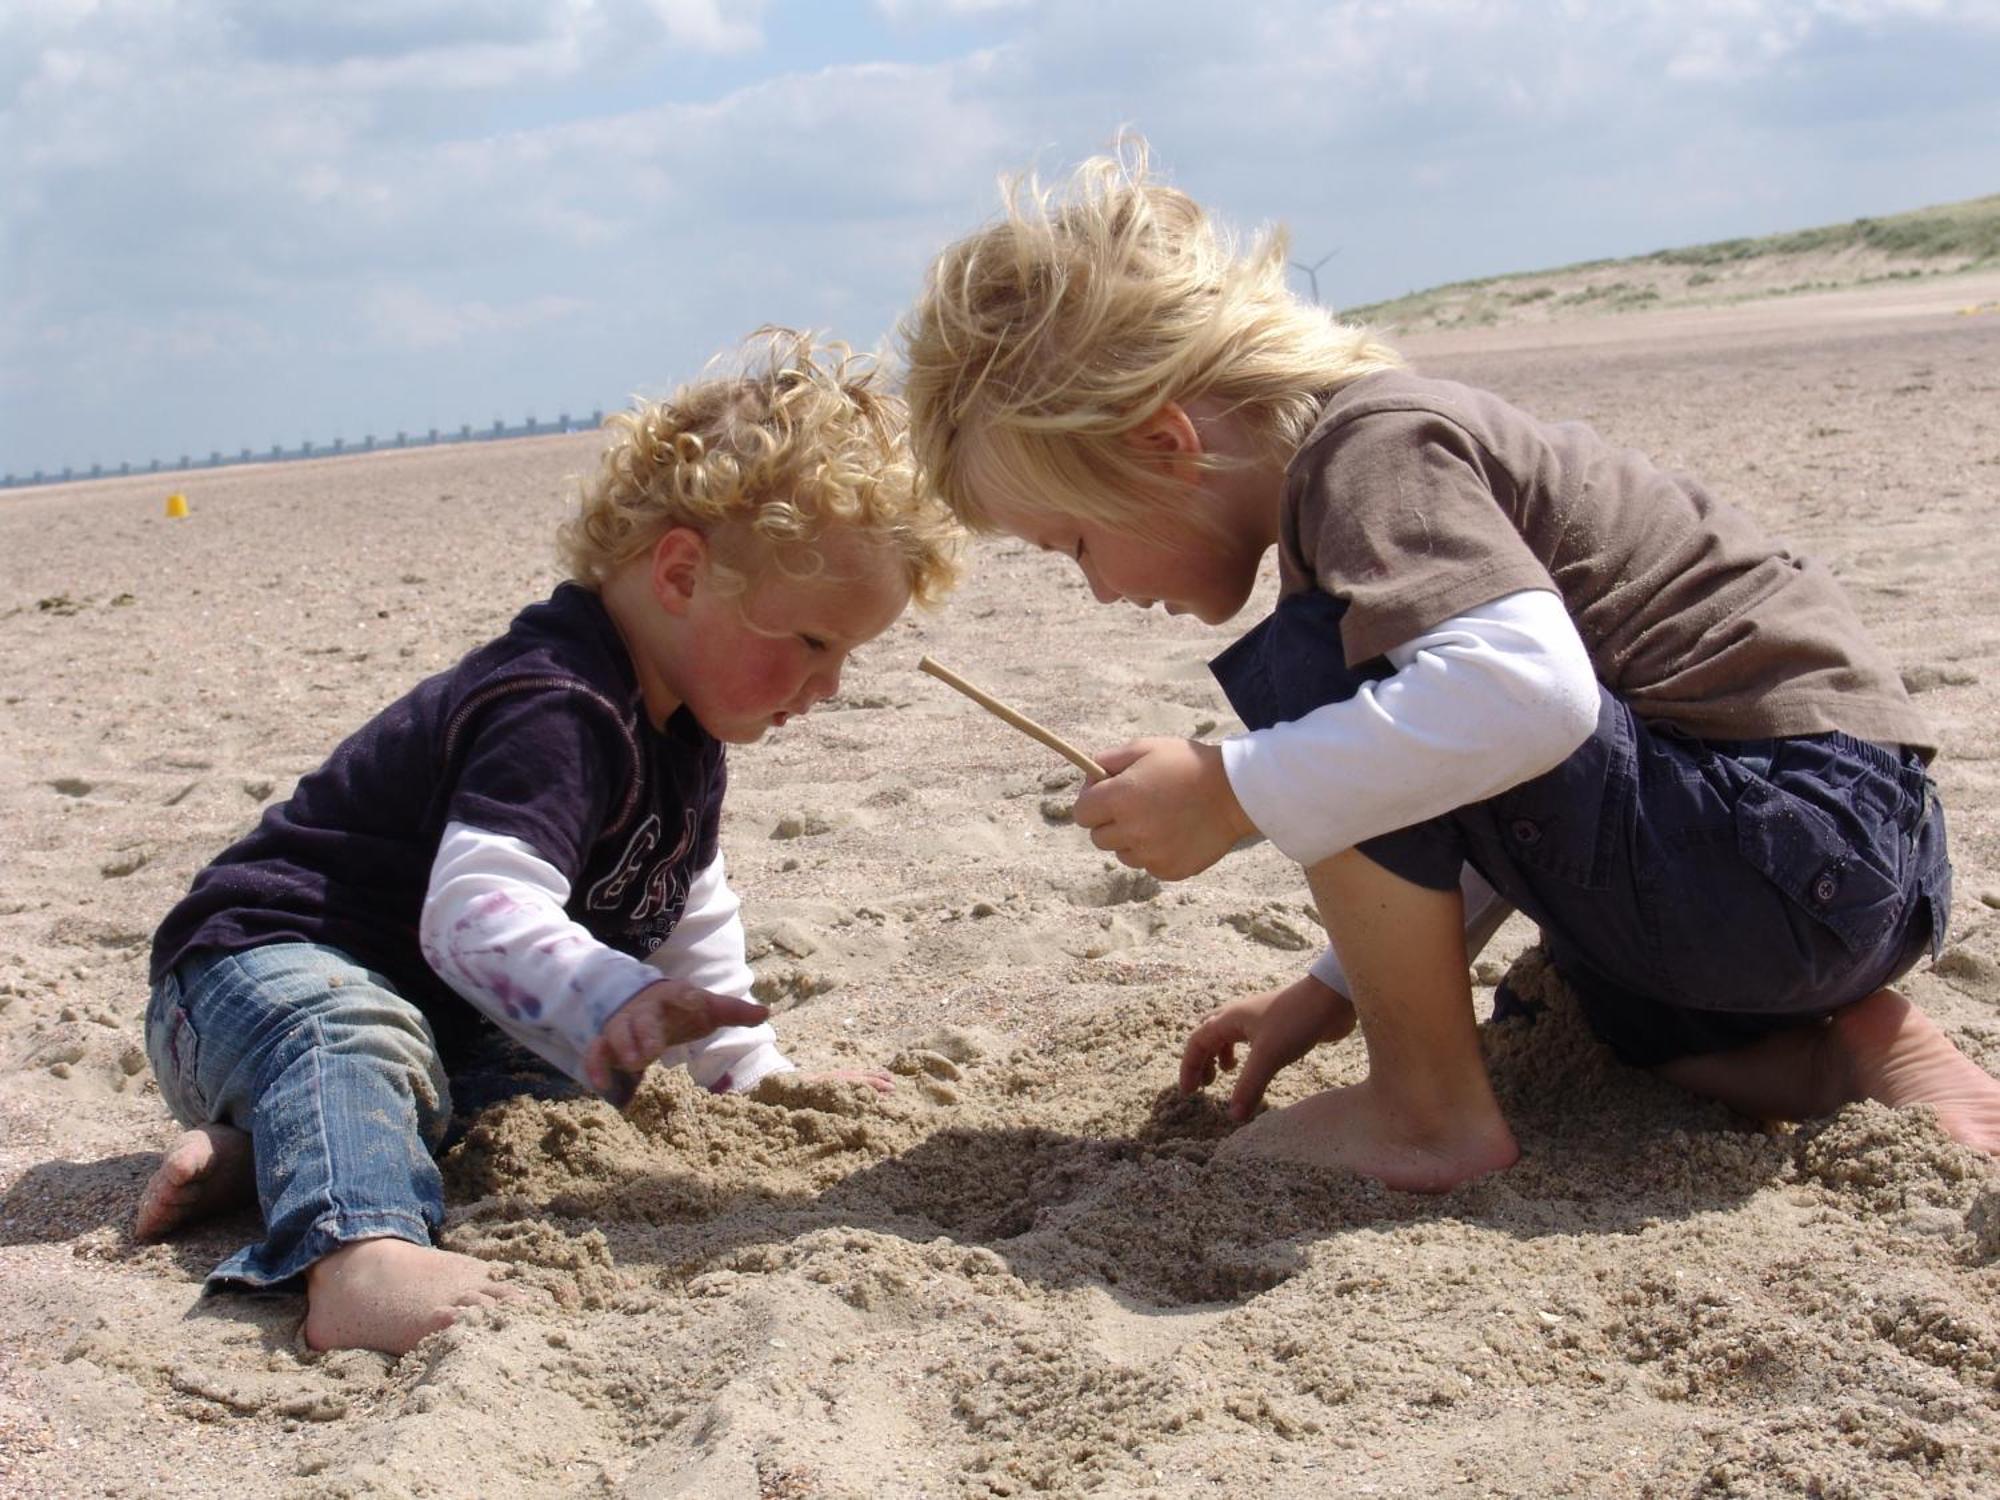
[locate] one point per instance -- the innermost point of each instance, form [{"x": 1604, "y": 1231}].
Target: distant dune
[{"x": 1925, "y": 243}]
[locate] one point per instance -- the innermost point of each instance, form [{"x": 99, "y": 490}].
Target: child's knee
[{"x": 393, "y": 1036}]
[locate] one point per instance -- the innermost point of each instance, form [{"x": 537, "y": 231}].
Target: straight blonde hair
[{"x": 1043, "y": 340}]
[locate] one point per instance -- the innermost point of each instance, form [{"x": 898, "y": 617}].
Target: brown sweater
[{"x": 1416, "y": 499}]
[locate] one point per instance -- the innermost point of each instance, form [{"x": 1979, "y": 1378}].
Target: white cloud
[
  {"x": 404, "y": 320},
  {"x": 362, "y": 206},
  {"x": 932, "y": 10},
  {"x": 444, "y": 32},
  {"x": 712, "y": 24}
]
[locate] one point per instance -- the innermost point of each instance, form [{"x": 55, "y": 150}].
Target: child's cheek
[{"x": 764, "y": 677}]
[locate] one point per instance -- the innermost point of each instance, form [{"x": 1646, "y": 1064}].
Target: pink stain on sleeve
[
  {"x": 481, "y": 910},
  {"x": 481, "y": 961}
]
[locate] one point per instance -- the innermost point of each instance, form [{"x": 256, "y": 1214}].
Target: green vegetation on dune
[
  {"x": 1945, "y": 239},
  {"x": 1970, "y": 229}
]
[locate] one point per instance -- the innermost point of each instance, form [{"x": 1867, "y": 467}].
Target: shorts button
[
  {"x": 1825, "y": 888},
  {"x": 1526, "y": 831}
]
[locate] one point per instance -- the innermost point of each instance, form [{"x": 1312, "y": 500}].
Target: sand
[{"x": 1022, "y": 1273}]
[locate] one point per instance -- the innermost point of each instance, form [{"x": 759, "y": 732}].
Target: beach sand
[{"x": 1022, "y": 1273}]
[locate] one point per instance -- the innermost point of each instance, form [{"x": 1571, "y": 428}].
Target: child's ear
[
  {"x": 679, "y": 558},
  {"x": 1169, "y": 435}
]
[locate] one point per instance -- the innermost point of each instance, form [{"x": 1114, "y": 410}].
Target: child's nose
[{"x": 1102, "y": 594}]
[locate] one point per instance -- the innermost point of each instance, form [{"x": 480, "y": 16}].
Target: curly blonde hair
[
  {"x": 763, "y": 459},
  {"x": 1044, "y": 339}
]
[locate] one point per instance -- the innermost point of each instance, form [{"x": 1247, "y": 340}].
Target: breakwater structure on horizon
[{"x": 434, "y": 437}]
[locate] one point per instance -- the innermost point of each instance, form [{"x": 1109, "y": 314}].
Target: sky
[{"x": 239, "y": 223}]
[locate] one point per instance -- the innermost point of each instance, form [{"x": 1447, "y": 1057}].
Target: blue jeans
[
  {"x": 1697, "y": 896},
  {"x": 336, "y": 1078}
]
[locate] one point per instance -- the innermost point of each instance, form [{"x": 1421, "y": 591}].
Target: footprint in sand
[
  {"x": 789, "y": 937},
  {"x": 74, "y": 930},
  {"x": 1064, "y": 784},
  {"x": 792, "y": 984},
  {"x": 935, "y": 1075},
  {"x": 129, "y": 863},
  {"x": 1274, "y": 927},
  {"x": 964, "y": 1045},
  {"x": 800, "y": 825},
  {"x": 249, "y": 1392},
  {"x": 1118, "y": 930},
  {"x": 921, "y": 1061},
  {"x": 1923, "y": 679},
  {"x": 59, "y": 1057},
  {"x": 1115, "y": 887},
  {"x": 1962, "y": 963}
]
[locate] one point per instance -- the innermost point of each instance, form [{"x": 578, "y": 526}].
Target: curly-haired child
[
  {"x": 1512, "y": 666},
  {"x": 525, "y": 846}
]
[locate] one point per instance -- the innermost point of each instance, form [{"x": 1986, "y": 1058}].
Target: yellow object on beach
[{"x": 177, "y": 505}]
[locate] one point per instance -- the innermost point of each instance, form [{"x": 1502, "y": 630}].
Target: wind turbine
[{"x": 1312, "y": 271}]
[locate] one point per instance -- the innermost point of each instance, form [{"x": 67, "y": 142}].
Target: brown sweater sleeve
[{"x": 1396, "y": 512}]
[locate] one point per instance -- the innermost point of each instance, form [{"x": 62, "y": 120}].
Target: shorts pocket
[
  {"x": 174, "y": 1049},
  {"x": 1770, "y": 909},
  {"x": 1801, "y": 851}
]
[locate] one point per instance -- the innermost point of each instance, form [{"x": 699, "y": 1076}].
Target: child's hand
[
  {"x": 1166, "y": 807},
  {"x": 660, "y": 1016},
  {"x": 1279, "y": 1026}
]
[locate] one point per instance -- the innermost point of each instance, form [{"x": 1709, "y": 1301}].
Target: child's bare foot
[
  {"x": 207, "y": 1171},
  {"x": 1881, "y": 1048},
  {"x": 387, "y": 1294},
  {"x": 1353, "y": 1130},
  {"x": 1896, "y": 1054}
]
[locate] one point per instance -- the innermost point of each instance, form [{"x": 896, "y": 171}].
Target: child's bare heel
[{"x": 1895, "y": 1054}]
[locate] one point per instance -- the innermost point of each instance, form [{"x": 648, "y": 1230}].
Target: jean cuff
[{"x": 264, "y": 1268}]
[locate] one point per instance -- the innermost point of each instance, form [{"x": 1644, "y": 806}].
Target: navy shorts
[{"x": 1696, "y": 895}]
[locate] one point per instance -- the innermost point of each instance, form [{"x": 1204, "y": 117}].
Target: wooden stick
[{"x": 1020, "y": 721}]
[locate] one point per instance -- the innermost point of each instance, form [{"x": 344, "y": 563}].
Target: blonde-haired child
[
  {"x": 1512, "y": 667},
  {"x": 526, "y": 844}
]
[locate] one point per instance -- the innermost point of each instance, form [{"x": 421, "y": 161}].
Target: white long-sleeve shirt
[
  {"x": 1478, "y": 704},
  {"x": 1482, "y": 702},
  {"x": 494, "y": 928}
]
